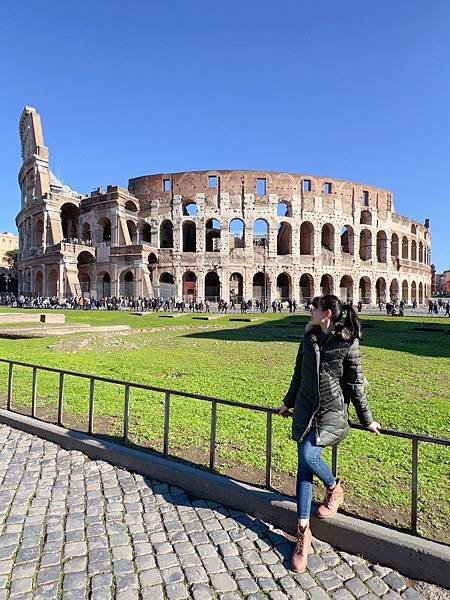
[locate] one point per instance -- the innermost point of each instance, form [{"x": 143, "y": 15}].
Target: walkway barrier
[{"x": 415, "y": 439}]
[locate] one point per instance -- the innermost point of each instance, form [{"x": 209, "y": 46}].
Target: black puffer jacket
[{"x": 326, "y": 378}]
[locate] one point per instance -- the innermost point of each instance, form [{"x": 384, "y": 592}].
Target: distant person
[{"x": 328, "y": 360}]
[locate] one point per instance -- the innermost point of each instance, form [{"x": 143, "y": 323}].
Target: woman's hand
[
  {"x": 374, "y": 427},
  {"x": 284, "y": 411}
]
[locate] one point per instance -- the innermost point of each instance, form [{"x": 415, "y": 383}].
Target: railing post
[
  {"x": 61, "y": 399},
  {"x": 166, "y": 423},
  {"x": 10, "y": 386},
  {"x": 91, "y": 406},
  {"x": 212, "y": 438},
  {"x": 269, "y": 450},
  {"x": 126, "y": 414},
  {"x": 34, "y": 393},
  {"x": 414, "y": 484},
  {"x": 334, "y": 460}
]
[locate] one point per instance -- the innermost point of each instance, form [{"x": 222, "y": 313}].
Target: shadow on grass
[{"x": 413, "y": 336}]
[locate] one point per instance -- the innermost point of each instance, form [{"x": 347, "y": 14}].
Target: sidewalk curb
[{"x": 412, "y": 556}]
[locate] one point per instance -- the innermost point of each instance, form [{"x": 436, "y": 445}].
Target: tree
[{"x": 11, "y": 257}]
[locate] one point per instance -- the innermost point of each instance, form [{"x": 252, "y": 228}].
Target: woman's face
[{"x": 318, "y": 315}]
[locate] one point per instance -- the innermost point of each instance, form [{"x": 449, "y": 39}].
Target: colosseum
[{"x": 214, "y": 234}]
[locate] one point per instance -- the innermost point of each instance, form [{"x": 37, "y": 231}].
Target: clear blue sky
[{"x": 347, "y": 89}]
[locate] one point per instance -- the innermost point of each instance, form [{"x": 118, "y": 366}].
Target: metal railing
[{"x": 416, "y": 439}]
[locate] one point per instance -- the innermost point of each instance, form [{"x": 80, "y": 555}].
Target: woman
[{"x": 327, "y": 376}]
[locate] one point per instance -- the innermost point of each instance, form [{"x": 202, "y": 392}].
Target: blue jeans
[{"x": 310, "y": 463}]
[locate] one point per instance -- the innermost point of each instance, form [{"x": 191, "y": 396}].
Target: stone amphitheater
[{"x": 215, "y": 234}]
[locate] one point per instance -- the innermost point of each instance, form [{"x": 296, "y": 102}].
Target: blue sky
[{"x": 353, "y": 90}]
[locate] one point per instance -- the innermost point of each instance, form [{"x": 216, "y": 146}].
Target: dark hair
[{"x": 351, "y": 328}]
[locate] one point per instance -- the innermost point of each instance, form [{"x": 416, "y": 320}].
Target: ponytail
[{"x": 352, "y": 325}]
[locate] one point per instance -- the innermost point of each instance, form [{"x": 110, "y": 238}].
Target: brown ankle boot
[
  {"x": 299, "y": 557},
  {"x": 333, "y": 499}
]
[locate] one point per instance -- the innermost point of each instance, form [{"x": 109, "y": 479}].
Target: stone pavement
[{"x": 73, "y": 528}]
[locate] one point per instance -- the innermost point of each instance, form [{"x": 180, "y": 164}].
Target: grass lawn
[{"x": 409, "y": 381}]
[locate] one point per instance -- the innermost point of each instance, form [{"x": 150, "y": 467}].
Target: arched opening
[
  {"x": 85, "y": 264},
  {"x": 212, "y": 286},
  {"x": 326, "y": 285},
  {"x": 394, "y": 246},
  {"x": 152, "y": 264},
  {"x": 365, "y": 245},
  {"x": 105, "y": 285},
  {"x": 413, "y": 291},
  {"x": 420, "y": 293},
  {"x": 105, "y": 225},
  {"x": 366, "y": 218},
  {"x": 284, "y": 238},
  {"x": 346, "y": 289},
  {"x": 394, "y": 290},
  {"x": 189, "y": 236},
  {"x": 260, "y": 234},
  {"x": 306, "y": 288},
  {"x": 405, "y": 290},
  {"x": 127, "y": 284},
  {"x": 413, "y": 229},
  {"x": 260, "y": 286},
  {"x": 364, "y": 290},
  {"x": 237, "y": 287},
  {"x": 166, "y": 234},
  {"x": 86, "y": 232},
  {"x": 189, "y": 209},
  {"x": 347, "y": 240},
  {"x": 85, "y": 283},
  {"x": 405, "y": 247},
  {"x": 166, "y": 287},
  {"x": 381, "y": 247},
  {"x": 52, "y": 283},
  {"x": 70, "y": 219},
  {"x": 284, "y": 286},
  {"x": 146, "y": 234},
  {"x": 131, "y": 206},
  {"x": 38, "y": 283},
  {"x": 212, "y": 235},
  {"x": 414, "y": 250},
  {"x": 307, "y": 238},
  {"x": 380, "y": 287},
  {"x": 420, "y": 252},
  {"x": 39, "y": 233},
  {"x": 284, "y": 209},
  {"x": 132, "y": 231},
  {"x": 237, "y": 234},
  {"x": 327, "y": 240},
  {"x": 189, "y": 286}
]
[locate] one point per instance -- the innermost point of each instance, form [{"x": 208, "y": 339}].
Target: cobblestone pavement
[{"x": 73, "y": 528}]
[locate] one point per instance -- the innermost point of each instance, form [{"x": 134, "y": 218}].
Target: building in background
[{"x": 211, "y": 234}]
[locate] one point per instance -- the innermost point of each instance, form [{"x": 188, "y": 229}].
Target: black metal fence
[{"x": 415, "y": 439}]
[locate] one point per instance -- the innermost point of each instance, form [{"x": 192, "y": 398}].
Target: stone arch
[
  {"x": 364, "y": 290},
  {"x": 394, "y": 291},
  {"x": 146, "y": 233},
  {"x": 166, "y": 234},
  {"x": 306, "y": 284},
  {"x": 413, "y": 250},
  {"x": 105, "y": 224},
  {"x": 39, "y": 232},
  {"x": 260, "y": 286},
  {"x": 284, "y": 238},
  {"x": 85, "y": 267},
  {"x": 236, "y": 287},
  {"x": 132, "y": 231},
  {"x": 284, "y": 209},
  {"x": 189, "y": 236},
  {"x": 346, "y": 288},
  {"x": 52, "y": 283},
  {"x": 420, "y": 293},
  {"x": 420, "y": 252},
  {"x": 39, "y": 283},
  {"x": 284, "y": 286},
  {"x": 365, "y": 244},
  {"x": 70, "y": 220},
  {"x": 381, "y": 246},
  {"x": 405, "y": 290},
  {"x": 347, "y": 240},
  {"x": 380, "y": 288},
  {"x": 405, "y": 247},
  {"x": 365, "y": 218},
  {"x": 395, "y": 249},
  {"x": 413, "y": 291},
  {"x": 189, "y": 208},
  {"x": 104, "y": 284},
  {"x": 327, "y": 239},
  {"x": 261, "y": 233},
  {"x": 131, "y": 206},
  {"x": 237, "y": 234},
  {"x": 126, "y": 287},
  {"x": 414, "y": 229},
  {"x": 86, "y": 232},
  {"x": 212, "y": 235},
  {"x": 212, "y": 286},
  {"x": 326, "y": 285},
  {"x": 189, "y": 286},
  {"x": 307, "y": 238}
]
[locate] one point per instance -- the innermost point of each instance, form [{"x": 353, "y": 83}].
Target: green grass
[{"x": 408, "y": 373}]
